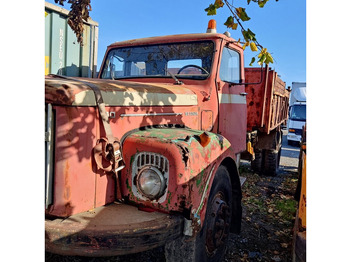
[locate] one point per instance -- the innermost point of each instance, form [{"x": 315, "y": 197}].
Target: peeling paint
[
  {"x": 199, "y": 178},
  {"x": 128, "y": 186},
  {"x": 190, "y": 164}
]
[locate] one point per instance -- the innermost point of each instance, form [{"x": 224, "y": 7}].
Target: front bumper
[{"x": 115, "y": 229}]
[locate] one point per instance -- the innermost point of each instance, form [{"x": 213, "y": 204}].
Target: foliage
[
  {"x": 78, "y": 14},
  {"x": 239, "y": 14}
]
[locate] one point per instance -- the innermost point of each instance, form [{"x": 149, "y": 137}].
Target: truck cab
[{"x": 297, "y": 112}]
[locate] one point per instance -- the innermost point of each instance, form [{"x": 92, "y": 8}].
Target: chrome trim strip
[
  {"x": 152, "y": 114},
  {"x": 49, "y": 156}
]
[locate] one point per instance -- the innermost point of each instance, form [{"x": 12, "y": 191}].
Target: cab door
[{"x": 232, "y": 97}]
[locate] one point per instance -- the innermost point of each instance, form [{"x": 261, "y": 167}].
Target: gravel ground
[
  {"x": 268, "y": 217},
  {"x": 268, "y": 212}
]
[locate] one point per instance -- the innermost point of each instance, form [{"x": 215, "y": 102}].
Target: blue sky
[{"x": 279, "y": 26}]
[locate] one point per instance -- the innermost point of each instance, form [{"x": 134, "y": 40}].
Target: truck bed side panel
[{"x": 267, "y": 102}]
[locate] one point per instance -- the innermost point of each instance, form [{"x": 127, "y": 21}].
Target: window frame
[
  {"x": 190, "y": 77},
  {"x": 239, "y": 80}
]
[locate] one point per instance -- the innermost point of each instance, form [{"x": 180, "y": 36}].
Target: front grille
[{"x": 152, "y": 159}]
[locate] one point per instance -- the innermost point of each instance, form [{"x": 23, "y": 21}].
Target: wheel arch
[{"x": 232, "y": 168}]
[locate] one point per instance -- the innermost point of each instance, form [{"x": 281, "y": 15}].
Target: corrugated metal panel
[{"x": 63, "y": 53}]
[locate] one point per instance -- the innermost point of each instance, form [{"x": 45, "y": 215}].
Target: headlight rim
[{"x": 161, "y": 178}]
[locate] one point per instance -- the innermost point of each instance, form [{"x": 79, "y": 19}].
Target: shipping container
[{"x": 63, "y": 53}]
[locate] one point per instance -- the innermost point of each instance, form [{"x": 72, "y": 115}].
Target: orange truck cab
[{"x": 147, "y": 154}]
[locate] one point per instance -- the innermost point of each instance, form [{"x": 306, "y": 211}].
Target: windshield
[
  {"x": 298, "y": 112},
  {"x": 185, "y": 60}
]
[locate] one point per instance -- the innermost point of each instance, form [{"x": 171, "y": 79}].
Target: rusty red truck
[{"x": 147, "y": 154}]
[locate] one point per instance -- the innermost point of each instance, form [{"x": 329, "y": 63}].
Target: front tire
[{"x": 212, "y": 239}]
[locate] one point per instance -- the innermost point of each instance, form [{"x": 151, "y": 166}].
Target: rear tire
[
  {"x": 271, "y": 162},
  {"x": 256, "y": 164}
]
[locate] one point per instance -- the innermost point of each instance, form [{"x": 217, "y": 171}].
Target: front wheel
[{"x": 212, "y": 239}]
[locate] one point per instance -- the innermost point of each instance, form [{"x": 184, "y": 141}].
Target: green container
[{"x": 63, "y": 53}]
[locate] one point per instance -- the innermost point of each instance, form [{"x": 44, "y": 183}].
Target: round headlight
[{"x": 150, "y": 182}]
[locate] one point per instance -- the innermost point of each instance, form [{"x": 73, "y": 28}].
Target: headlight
[
  {"x": 150, "y": 182},
  {"x": 150, "y": 176}
]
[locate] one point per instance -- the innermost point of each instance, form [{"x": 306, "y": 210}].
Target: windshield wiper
[{"x": 177, "y": 81}]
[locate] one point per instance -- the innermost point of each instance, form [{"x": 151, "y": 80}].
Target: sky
[{"x": 279, "y": 26}]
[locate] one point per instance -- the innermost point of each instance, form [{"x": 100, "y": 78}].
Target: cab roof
[{"x": 173, "y": 38}]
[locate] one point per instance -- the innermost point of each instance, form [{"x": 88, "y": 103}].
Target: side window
[
  {"x": 115, "y": 67},
  {"x": 230, "y": 66}
]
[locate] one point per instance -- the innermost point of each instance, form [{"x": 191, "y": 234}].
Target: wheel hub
[{"x": 218, "y": 224}]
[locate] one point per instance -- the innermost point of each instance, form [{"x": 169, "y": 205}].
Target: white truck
[{"x": 297, "y": 112}]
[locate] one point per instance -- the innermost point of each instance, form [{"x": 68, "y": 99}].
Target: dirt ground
[
  {"x": 268, "y": 218},
  {"x": 268, "y": 212}
]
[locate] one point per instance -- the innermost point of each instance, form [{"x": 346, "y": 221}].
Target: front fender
[{"x": 192, "y": 156}]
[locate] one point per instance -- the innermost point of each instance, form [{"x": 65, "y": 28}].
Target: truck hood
[{"x": 76, "y": 92}]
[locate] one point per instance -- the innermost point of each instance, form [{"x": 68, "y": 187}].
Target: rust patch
[
  {"x": 184, "y": 153},
  {"x": 68, "y": 209},
  {"x": 67, "y": 193}
]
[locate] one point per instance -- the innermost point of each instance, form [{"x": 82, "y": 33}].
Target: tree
[
  {"x": 239, "y": 15},
  {"x": 80, "y": 12}
]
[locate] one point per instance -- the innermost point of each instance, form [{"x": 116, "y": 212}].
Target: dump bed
[{"x": 267, "y": 102}]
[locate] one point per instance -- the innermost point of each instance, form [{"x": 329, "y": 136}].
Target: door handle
[{"x": 243, "y": 94}]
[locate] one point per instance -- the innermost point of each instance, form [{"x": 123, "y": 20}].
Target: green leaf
[
  {"x": 262, "y": 59},
  {"x": 211, "y": 10},
  {"x": 251, "y": 62},
  {"x": 262, "y": 3},
  {"x": 269, "y": 58},
  {"x": 242, "y": 14},
  {"x": 230, "y": 23},
  {"x": 218, "y": 3},
  {"x": 248, "y": 35},
  {"x": 248, "y": 1}
]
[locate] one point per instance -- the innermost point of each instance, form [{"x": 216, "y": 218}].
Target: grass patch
[{"x": 287, "y": 207}]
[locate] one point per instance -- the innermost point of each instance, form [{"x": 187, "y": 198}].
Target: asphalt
[{"x": 289, "y": 156}]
